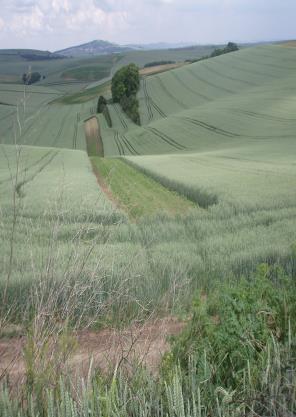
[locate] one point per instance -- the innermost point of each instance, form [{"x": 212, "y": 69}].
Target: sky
[{"x": 57, "y": 24}]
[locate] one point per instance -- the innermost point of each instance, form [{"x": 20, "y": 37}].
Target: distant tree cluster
[
  {"x": 103, "y": 109},
  {"x": 230, "y": 47},
  {"x": 124, "y": 87},
  {"x": 41, "y": 57},
  {"x": 31, "y": 78},
  {"x": 156, "y": 63}
]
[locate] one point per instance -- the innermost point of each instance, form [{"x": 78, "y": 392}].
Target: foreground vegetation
[{"x": 235, "y": 357}]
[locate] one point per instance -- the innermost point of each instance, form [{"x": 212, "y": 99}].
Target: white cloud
[
  {"x": 2, "y": 24},
  {"x": 61, "y": 23}
]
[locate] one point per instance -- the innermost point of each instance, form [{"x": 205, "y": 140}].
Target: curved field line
[
  {"x": 166, "y": 138},
  {"x": 189, "y": 88},
  {"x": 75, "y": 136},
  {"x": 7, "y": 115},
  {"x": 264, "y": 116},
  {"x": 29, "y": 92},
  {"x": 118, "y": 143},
  {"x": 222, "y": 132},
  {"x": 218, "y": 87},
  {"x": 211, "y": 128},
  {"x": 168, "y": 93},
  {"x": 252, "y": 72},
  {"x": 147, "y": 100},
  {"x": 59, "y": 131},
  {"x": 157, "y": 108},
  {"x": 208, "y": 68},
  {"x": 27, "y": 168},
  {"x": 265, "y": 65},
  {"x": 20, "y": 184},
  {"x": 129, "y": 145},
  {"x": 44, "y": 127},
  {"x": 154, "y": 105},
  {"x": 121, "y": 119}
]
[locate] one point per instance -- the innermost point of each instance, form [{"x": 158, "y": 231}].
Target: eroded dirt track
[
  {"x": 139, "y": 344},
  {"x": 93, "y": 137}
]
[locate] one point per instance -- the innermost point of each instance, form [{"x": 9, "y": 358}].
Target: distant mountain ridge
[
  {"x": 96, "y": 47},
  {"x": 101, "y": 47}
]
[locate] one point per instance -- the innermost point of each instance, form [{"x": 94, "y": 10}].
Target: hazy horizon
[{"x": 59, "y": 24}]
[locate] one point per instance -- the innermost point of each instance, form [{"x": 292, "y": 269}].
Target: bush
[
  {"x": 107, "y": 116},
  {"x": 130, "y": 105},
  {"x": 234, "y": 326},
  {"x": 102, "y": 102},
  {"x": 31, "y": 78}
]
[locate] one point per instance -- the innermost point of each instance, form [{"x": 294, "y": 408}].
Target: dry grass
[
  {"x": 160, "y": 68},
  {"x": 289, "y": 44}
]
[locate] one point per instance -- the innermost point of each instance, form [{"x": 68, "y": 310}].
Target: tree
[
  {"x": 124, "y": 87},
  {"x": 125, "y": 82},
  {"x": 231, "y": 47},
  {"x": 102, "y": 102}
]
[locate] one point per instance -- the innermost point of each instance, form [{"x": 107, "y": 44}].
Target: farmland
[
  {"x": 220, "y": 134},
  {"x": 188, "y": 215}
]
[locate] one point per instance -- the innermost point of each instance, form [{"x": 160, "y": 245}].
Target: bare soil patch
[
  {"x": 160, "y": 68},
  {"x": 93, "y": 137},
  {"x": 290, "y": 44},
  {"x": 139, "y": 344}
]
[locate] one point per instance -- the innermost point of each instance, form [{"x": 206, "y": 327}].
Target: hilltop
[{"x": 96, "y": 47}]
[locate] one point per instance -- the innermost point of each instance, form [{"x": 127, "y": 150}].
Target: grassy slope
[
  {"x": 138, "y": 194},
  {"x": 249, "y": 224},
  {"x": 235, "y": 129}
]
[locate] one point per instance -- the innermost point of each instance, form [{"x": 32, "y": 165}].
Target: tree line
[{"x": 230, "y": 47}]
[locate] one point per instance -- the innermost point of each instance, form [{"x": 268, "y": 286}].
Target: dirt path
[
  {"x": 93, "y": 137},
  {"x": 142, "y": 344},
  {"x": 104, "y": 187}
]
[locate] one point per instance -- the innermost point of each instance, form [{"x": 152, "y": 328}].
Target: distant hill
[
  {"x": 97, "y": 47},
  {"x": 100, "y": 47},
  {"x": 160, "y": 45},
  {"x": 30, "y": 54}
]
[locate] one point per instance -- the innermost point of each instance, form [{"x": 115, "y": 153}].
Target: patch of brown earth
[
  {"x": 94, "y": 143},
  {"x": 106, "y": 349},
  {"x": 289, "y": 44},
  {"x": 157, "y": 69}
]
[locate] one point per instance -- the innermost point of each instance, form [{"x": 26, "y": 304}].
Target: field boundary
[{"x": 199, "y": 196}]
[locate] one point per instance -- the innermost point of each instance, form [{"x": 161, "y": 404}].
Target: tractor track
[{"x": 166, "y": 138}]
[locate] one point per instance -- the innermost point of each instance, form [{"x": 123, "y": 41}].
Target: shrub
[
  {"x": 130, "y": 105},
  {"x": 102, "y": 102},
  {"x": 234, "y": 326}
]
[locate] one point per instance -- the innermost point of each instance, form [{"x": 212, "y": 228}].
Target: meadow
[{"x": 175, "y": 220}]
